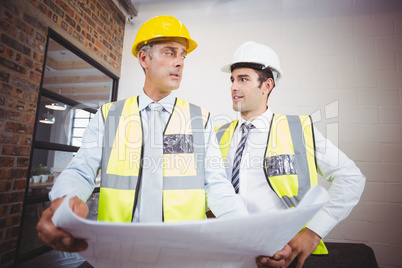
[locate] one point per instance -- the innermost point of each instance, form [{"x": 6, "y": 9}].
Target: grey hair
[{"x": 147, "y": 48}]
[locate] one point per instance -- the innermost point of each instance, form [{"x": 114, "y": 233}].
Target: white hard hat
[{"x": 256, "y": 56}]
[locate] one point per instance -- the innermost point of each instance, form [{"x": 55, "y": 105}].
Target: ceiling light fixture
[
  {"x": 56, "y": 106},
  {"x": 47, "y": 118}
]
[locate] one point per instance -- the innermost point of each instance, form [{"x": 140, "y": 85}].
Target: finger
[
  {"x": 50, "y": 234},
  {"x": 283, "y": 253},
  {"x": 59, "y": 239},
  {"x": 301, "y": 260},
  {"x": 276, "y": 263},
  {"x": 261, "y": 260},
  {"x": 79, "y": 207},
  {"x": 45, "y": 225},
  {"x": 269, "y": 262},
  {"x": 290, "y": 259},
  {"x": 78, "y": 245}
]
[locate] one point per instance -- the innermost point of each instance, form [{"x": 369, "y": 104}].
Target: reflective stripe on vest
[
  {"x": 289, "y": 163},
  {"x": 224, "y": 135},
  {"x": 183, "y": 162}
]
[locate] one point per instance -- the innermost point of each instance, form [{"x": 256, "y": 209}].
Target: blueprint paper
[{"x": 234, "y": 242}]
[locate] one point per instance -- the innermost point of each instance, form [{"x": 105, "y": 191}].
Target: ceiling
[{"x": 69, "y": 75}]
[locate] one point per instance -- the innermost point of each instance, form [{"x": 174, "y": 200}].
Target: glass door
[{"x": 73, "y": 87}]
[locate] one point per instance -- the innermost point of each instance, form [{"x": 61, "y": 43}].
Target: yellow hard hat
[{"x": 162, "y": 27}]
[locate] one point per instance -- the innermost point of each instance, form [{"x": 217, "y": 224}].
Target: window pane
[
  {"x": 59, "y": 126},
  {"x": 76, "y": 142},
  {"x": 81, "y": 114},
  {"x": 46, "y": 167},
  {"x": 81, "y": 122},
  {"x": 59, "y": 130},
  {"x": 78, "y": 132}
]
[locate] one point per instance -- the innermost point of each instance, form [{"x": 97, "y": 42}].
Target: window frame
[{"x": 43, "y": 92}]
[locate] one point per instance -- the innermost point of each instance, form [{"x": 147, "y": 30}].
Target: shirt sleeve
[
  {"x": 79, "y": 176},
  {"x": 221, "y": 197},
  {"x": 346, "y": 188}
]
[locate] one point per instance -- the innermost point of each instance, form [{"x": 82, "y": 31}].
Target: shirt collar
[
  {"x": 167, "y": 102},
  {"x": 262, "y": 122}
]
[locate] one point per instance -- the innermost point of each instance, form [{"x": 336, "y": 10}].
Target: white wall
[{"x": 342, "y": 61}]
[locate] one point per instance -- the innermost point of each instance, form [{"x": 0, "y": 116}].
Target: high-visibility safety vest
[
  {"x": 122, "y": 162},
  {"x": 289, "y": 162}
]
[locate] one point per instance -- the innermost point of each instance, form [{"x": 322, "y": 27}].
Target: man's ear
[
  {"x": 268, "y": 86},
  {"x": 143, "y": 57}
]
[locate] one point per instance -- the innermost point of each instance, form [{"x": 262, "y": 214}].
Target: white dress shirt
[
  {"x": 78, "y": 177},
  {"x": 347, "y": 180}
]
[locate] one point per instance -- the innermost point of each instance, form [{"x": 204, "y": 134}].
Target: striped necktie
[
  {"x": 239, "y": 152},
  {"x": 152, "y": 174}
]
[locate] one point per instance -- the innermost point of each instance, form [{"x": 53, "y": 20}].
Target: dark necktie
[{"x": 239, "y": 152}]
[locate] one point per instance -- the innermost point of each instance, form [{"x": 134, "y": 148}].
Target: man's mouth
[
  {"x": 175, "y": 75},
  {"x": 237, "y": 97}
]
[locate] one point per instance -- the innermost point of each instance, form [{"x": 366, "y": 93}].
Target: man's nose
[
  {"x": 233, "y": 87},
  {"x": 179, "y": 62}
]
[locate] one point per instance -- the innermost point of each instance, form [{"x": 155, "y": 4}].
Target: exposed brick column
[{"x": 21, "y": 60}]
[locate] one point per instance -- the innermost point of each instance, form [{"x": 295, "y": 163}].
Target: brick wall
[{"x": 94, "y": 26}]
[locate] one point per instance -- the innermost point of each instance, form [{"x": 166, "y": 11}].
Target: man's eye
[
  {"x": 183, "y": 57},
  {"x": 243, "y": 79},
  {"x": 169, "y": 53}
]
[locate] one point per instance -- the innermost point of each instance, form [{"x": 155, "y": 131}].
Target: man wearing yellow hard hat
[
  {"x": 290, "y": 153},
  {"x": 155, "y": 151}
]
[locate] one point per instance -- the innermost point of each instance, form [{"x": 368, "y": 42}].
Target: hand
[
  {"x": 278, "y": 260},
  {"x": 303, "y": 244},
  {"x": 56, "y": 237}
]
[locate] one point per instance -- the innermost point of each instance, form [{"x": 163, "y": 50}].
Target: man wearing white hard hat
[
  {"x": 154, "y": 151},
  {"x": 273, "y": 160}
]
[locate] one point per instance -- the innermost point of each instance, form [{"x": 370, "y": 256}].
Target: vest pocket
[
  {"x": 178, "y": 144},
  {"x": 278, "y": 165}
]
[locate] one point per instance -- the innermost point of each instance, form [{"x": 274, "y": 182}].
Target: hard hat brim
[
  {"x": 190, "y": 46},
  {"x": 227, "y": 68}
]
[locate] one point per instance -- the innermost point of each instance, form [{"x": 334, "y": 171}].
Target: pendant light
[
  {"x": 47, "y": 118},
  {"x": 56, "y": 106}
]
